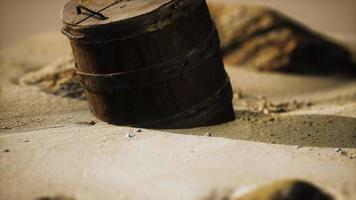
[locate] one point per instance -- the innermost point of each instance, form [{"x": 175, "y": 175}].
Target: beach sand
[{"x": 53, "y": 146}]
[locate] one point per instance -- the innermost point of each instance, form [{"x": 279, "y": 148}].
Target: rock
[
  {"x": 266, "y": 107},
  {"x": 89, "y": 123},
  {"x": 340, "y": 151},
  {"x": 58, "y": 78},
  {"x": 129, "y": 135},
  {"x": 285, "y": 190},
  {"x": 55, "y": 198},
  {"x": 264, "y": 39}
]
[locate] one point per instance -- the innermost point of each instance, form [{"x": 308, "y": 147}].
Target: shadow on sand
[{"x": 306, "y": 130}]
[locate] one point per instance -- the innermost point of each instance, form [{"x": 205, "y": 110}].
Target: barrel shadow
[{"x": 307, "y": 130}]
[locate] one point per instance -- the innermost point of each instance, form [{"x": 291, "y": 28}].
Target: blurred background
[{"x": 22, "y": 18}]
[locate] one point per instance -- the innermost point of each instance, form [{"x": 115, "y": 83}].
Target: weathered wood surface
[
  {"x": 141, "y": 72},
  {"x": 127, "y": 9}
]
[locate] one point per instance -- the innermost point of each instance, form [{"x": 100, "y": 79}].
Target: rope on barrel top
[
  {"x": 79, "y": 11},
  {"x": 92, "y": 12}
]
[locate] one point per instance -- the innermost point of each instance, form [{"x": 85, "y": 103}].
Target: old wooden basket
[{"x": 149, "y": 63}]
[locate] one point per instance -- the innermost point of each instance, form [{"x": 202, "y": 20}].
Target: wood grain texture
[{"x": 165, "y": 73}]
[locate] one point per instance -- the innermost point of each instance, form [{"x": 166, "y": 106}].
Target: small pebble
[
  {"x": 208, "y": 134},
  {"x": 129, "y": 135},
  {"x": 298, "y": 146},
  {"x": 92, "y": 123},
  {"x": 340, "y": 151},
  {"x": 26, "y": 141},
  {"x": 138, "y": 131},
  {"x": 265, "y": 111},
  {"x": 7, "y": 150},
  {"x": 236, "y": 96},
  {"x": 308, "y": 103}
]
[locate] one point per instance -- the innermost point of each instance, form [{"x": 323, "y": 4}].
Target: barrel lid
[
  {"x": 103, "y": 20},
  {"x": 78, "y": 12}
]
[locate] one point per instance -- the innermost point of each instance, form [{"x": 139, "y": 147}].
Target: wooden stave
[
  {"x": 132, "y": 52},
  {"x": 135, "y": 103}
]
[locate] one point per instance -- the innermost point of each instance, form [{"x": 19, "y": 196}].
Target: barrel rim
[{"x": 149, "y": 22}]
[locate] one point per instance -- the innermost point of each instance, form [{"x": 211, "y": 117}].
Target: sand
[{"x": 51, "y": 146}]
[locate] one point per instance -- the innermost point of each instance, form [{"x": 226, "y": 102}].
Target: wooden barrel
[{"x": 149, "y": 63}]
